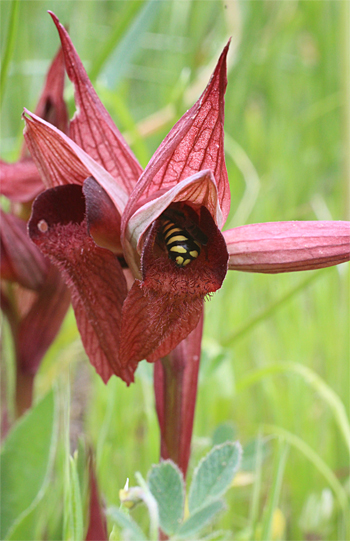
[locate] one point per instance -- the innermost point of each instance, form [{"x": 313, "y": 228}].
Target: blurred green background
[{"x": 266, "y": 337}]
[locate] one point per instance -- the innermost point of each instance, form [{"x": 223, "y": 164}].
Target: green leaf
[
  {"x": 214, "y": 474},
  {"x": 127, "y": 524},
  {"x": 167, "y": 486},
  {"x": 26, "y": 461},
  {"x": 202, "y": 517}
]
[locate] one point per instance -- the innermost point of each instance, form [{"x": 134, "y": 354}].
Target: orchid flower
[
  {"x": 34, "y": 297},
  {"x": 137, "y": 289}
]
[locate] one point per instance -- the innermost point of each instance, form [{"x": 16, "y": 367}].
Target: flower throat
[{"x": 182, "y": 237}]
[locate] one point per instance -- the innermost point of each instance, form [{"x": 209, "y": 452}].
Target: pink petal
[
  {"x": 288, "y": 246},
  {"x": 199, "y": 190},
  {"x": 61, "y": 161},
  {"x": 195, "y": 143},
  {"x": 41, "y": 324},
  {"x": 92, "y": 128},
  {"x": 20, "y": 181},
  {"x": 21, "y": 261},
  {"x": 93, "y": 275}
]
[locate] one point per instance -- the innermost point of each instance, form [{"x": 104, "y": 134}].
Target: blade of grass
[
  {"x": 275, "y": 491},
  {"x": 119, "y": 28},
  {"x": 118, "y": 62},
  {"x": 9, "y": 47},
  {"x": 117, "y": 105},
  {"x": 315, "y": 459},
  {"x": 254, "y": 508},
  {"x": 313, "y": 380},
  {"x": 251, "y": 179},
  {"x": 267, "y": 312},
  {"x": 345, "y": 58}
]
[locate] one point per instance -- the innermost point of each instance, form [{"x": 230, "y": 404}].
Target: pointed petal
[
  {"x": 61, "y": 161},
  {"x": 288, "y": 246},
  {"x": 103, "y": 219},
  {"x": 21, "y": 261},
  {"x": 51, "y": 106},
  {"x": 179, "y": 368},
  {"x": 199, "y": 190},
  {"x": 93, "y": 275},
  {"x": 92, "y": 128},
  {"x": 20, "y": 181},
  {"x": 195, "y": 143},
  {"x": 41, "y": 324}
]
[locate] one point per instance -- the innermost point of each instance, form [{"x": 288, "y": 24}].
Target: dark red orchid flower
[
  {"x": 138, "y": 290},
  {"x": 33, "y": 295}
]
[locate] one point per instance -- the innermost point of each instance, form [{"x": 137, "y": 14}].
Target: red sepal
[
  {"x": 195, "y": 143},
  {"x": 51, "y": 106},
  {"x": 93, "y": 275},
  {"x": 21, "y": 181},
  {"x": 92, "y": 127}
]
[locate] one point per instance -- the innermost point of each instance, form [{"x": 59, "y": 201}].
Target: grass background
[{"x": 287, "y": 142}]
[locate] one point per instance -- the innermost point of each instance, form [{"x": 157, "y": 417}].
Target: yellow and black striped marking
[{"x": 182, "y": 247}]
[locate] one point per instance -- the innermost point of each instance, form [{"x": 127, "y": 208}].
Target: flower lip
[
  {"x": 163, "y": 308},
  {"x": 203, "y": 274}
]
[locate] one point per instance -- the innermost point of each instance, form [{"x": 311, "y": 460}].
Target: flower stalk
[{"x": 175, "y": 385}]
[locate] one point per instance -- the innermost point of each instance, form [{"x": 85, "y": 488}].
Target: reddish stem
[
  {"x": 175, "y": 383},
  {"x": 24, "y": 391}
]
